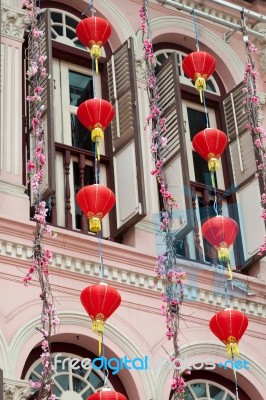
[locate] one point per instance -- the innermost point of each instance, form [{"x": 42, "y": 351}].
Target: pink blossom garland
[
  {"x": 252, "y": 108},
  {"x": 41, "y": 257},
  {"x": 167, "y": 271}
]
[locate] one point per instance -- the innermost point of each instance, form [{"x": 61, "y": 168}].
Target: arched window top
[
  {"x": 63, "y": 28},
  {"x": 74, "y": 377},
  {"x": 162, "y": 55},
  {"x": 207, "y": 390}
]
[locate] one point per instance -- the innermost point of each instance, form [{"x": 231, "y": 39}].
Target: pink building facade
[{"x": 132, "y": 239}]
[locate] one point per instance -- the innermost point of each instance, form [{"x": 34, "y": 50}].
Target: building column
[
  {"x": 14, "y": 202},
  {"x": 16, "y": 389}
]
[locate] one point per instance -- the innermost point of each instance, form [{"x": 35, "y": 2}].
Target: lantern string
[
  {"x": 195, "y": 28},
  {"x": 91, "y": 8},
  {"x": 235, "y": 376},
  {"x": 227, "y": 303},
  {"x": 205, "y": 110}
]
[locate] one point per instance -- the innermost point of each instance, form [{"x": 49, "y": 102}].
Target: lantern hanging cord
[
  {"x": 105, "y": 369},
  {"x": 215, "y": 204},
  {"x": 227, "y": 303},
  {"x": 100, "y": 254},
  {"x": 205, "y": 110},
  {"x": 195, "y": 28},
  {"x": 90, "y": 7},
  {"x": 235, "y": 376}
]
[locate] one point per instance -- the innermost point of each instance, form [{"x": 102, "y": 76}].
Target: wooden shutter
[
  {"x": 243, "y": 160},
  {"x": 126, "y": 160},
  {"x": 240, "y": 140},
  {"x": 48, "y": 186},
  {"x": 175, "y": 153}
]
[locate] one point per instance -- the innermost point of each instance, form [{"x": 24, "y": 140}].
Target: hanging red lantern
[
  {"x": 107, "y": 395},
  {"x": 199, "y": 66},
  {"x": 221, "y": 232},
  {"x": 96, "y": 115},
  {"x": 95, "y": 201},
  {"x": 100, "y": 301},
  {"x": 229, "y": 326},
  {"x": 94, "y": 32},
  {"x": 210, "y": 144}
]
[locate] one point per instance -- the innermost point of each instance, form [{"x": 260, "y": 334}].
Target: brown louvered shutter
[
  {"x": 126, "y": 160},
  {"x": 175, "y": 153},
  {"x": 240, "y": 140},
  {"x": 48, "y": 186},
  {"x": 243, "y": 160}
]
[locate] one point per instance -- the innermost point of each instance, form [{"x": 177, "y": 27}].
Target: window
[
  {"x": 69, "y": 383},
  {"x": 207, "y": 390},
  {"x": 72, "y": 158}
]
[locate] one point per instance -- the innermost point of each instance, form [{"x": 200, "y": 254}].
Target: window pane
[
  {"x": 58, "y": 29},
  {"x": 197, "y": 122},
  {"x": 188, "y": 395},
  {"x": 216, "y": 393},
  {"x": 56, "y": 17},
  {"x": 63, "y": 381},
  {"x": 81, "y": 136},
  {"x": 199, "y": 389},
  {"x": 78, "y": 385},
  {"x": 71, "y": 22},
  {"x": 70, "y": 34},
  {"x": 80, "y": 88},
  {"x": 88, "y": 180},
  {"x": 95, "y": 380}
]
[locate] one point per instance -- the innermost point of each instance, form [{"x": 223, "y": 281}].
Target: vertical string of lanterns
[
  {"x": 99, "y": 300},
  {"x": 220, "y": 231}
]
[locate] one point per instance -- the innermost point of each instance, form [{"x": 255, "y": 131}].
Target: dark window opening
[{"x": 89, "y": 179}]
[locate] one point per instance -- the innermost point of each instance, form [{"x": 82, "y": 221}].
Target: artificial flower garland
[
  {"x": 167, "y": 271},
  {"x": 41, "y": 257},
  {"x": 252, "y": 109}
]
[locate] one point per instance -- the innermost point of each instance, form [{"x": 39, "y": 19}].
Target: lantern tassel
[
  {"x": 213, "y": 180},
  {"x": 200, "y": 85},
  {"x": 98, "y": 326},
  {"x": 232, "y": 347}
]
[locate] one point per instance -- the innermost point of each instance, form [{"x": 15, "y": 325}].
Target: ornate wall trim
[
  {"x": 16, "y": 390},
  {"x": 13, "y": 22}
]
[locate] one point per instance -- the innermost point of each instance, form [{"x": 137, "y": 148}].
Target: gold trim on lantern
[{"x": 232, "y": 346}]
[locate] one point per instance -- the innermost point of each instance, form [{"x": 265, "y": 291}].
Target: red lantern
[
  {"x": 221, "y": 232},
  {"x": 229, "y": 326},
  {"x": 199, "y": 66},
  {"x": 96, "y": 115},
  {"x": 107, "y": 395},
  {"x": 94, "y": 32},
  {"x": 95, "y": 201},
  {"x": 100, "y": 301},
  {"x": 210, "y": 144}
]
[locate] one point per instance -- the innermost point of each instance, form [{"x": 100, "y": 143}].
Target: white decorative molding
[
  {"x": 261, "y": 45},
  {"x": 16, "y": 390},
  {"x": 13, "y": 22},
  {"x": 205, "y": 284}
]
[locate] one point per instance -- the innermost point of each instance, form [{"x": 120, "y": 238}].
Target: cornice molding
[
  {"x": 204, "y": 287},
  {"x": 14, "y": 21}
]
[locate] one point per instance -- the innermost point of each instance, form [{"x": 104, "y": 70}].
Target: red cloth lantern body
[
  {"x": 96, "y": 115},
  {"x": 94, "y": 32},
  {"x": 100, "y": 301},
  {"x": 107, "y": 395},
  {"x": 229, "y": 326},
  {"x": 221, "y": 232},
  {"x": 199, "y": 66},
  {"x": 210, "y": 144},
  {"x": 95, "y": 201}
]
